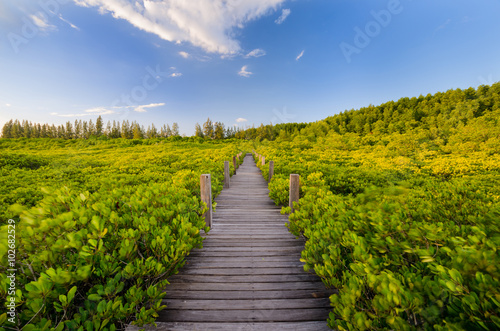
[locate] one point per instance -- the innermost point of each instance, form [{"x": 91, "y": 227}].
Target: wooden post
[
  {"x": 263, "y": 160},
  {"x": 271, "y": 170},
  {"x": 234, "y": 164},
  {"x": 294, "y": 189},
  {"x": 226, "y": 174},
  {"x": 206, "y": 196}
]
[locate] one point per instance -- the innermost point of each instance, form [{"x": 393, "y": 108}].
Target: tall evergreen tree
[
  {"x": 168, "y": 131},
  {"x": 219, "y": 130},
  {"x": 7, "y": 129},
  {"x": 198, "y": 132},
  {"x": 208, "y": 129},
  {"x": 175, "y": 129},
  {"x": 98, "y": 126}
]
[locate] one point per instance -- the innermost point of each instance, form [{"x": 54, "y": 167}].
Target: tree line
[
  {"x": 439, "y": 114},
  {"x": 84, "y": 130}
]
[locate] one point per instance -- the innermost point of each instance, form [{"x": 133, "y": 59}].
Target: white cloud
[
  {"x": 300, "y": 55},
  {"x": 176, "y": 74},
  {"x": 244, "y": 73},
  {"x": 41, "y": 21},
  {"x": 256, "y": 53},
  {"x": 68, "y": 22},
  {"x": 284, "y": 14},
  {"x": 208, "y": 24},
  {"x": 98, "y": 111},
  {"x": 241, "y": 120},
  {"x": 142, "y": 109},
  {"x": 88, "y": 112},
  {"x": 184, "y": 54}
]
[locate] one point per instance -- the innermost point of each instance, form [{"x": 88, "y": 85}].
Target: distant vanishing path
[{"x": 248, "y": 275}]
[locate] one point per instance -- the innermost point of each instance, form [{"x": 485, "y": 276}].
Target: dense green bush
[
  {"x": 100, "y": 261},
  {"x": 404, "y": 258},
  {"x": 97, "y": 253}
]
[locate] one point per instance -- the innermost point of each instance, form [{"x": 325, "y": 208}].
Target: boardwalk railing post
[
  {"x": 234, "y": 164},
  {"x": 226, "y": 174},
  {"x": 206, "y": 196},
  {"x": 294, "y": 189},
  {"x": 271, "y": 170},
  {"x": 263, "y": 160}
]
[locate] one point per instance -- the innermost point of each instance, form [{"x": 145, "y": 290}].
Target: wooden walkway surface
[{"x": 248, "y": 275}]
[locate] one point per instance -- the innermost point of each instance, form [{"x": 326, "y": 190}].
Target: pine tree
[
  {"x": 7, "y": 129},
  {"x": 26, "y": 129},
  {"x": 85, "y": 130},
  {"x": 68, "y": 134},
  {"x": 137, "y": 134},
  {"x": 175, "y": 129},
  {"x": 44, "y": 131},
  {"x": 78, "y": 129},
  {"x": 208, "y": 129},
  {"x": 198, "y": 132},
  {"x": 107, "y": 132},
  {"x": 92, "y": 129},
  {"x": 219, "y": 130},
  {"x": 168, "y": 132},
  {"x": 115, "y": 130},
  {"x": 98, "y": 126},
  {"x": 125, "y": 129}
]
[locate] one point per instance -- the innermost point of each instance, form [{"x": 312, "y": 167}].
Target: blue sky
[{"x": 242, "y": 62}]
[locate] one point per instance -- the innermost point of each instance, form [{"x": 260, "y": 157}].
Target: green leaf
[
  {"x": 94, "y": 297},
  {"x": 71, "y": 293}
]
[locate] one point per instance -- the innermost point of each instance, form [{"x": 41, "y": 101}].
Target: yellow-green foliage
[
  {"x": 96, "y": 246},
  {"x": 404, "y": 223}
]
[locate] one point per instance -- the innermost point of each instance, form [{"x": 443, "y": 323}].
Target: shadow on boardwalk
[{"x": 248, "y": 275}]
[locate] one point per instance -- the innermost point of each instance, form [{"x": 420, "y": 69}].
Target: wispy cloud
[
  {"x": 176, "y": 74},
  {"x": 244, "y": 73},
  {"x": 142, "y": 109},
  {"x": 241, "y": 120},
  {"x": 300, "y": 55},
  {"x": 256, "y": 53},
  {"x": 284, "y": 15},
  {"x": 209, "y": 24},
  {"x": 101, "y": 111},
  {"x": 184, "y": 54},
  {"x": 89, "y": 112},
  {"x": 41, "y": 21},
  {"x": 68, "y": 22}
]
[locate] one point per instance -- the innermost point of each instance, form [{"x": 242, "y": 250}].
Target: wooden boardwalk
[{"x": 248, "y": 275}]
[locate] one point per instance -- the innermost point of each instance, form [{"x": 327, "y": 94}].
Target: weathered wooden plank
[
  {"x": 283, "y": 286},
  {"x": 268, "y": 243},
  {"x": 249, "y": 295},
  {"x": 242, "y": 278},
  {"x": 244, "y": 254},
  {"x": 242, "y": 264},
  {"x": 246, "y": 304},
  {"x": 271, "y": 315},
  {"x": 244, "y": 271},
  {"x": 248, "y": 259},
  {"x": 225, "y": 326},
  {"x": 282, "y": 249}
]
